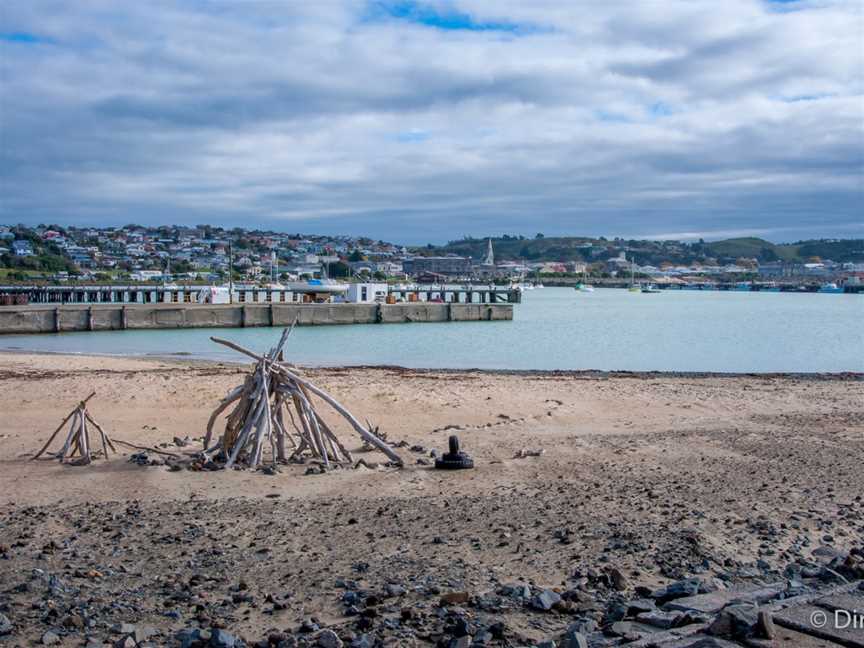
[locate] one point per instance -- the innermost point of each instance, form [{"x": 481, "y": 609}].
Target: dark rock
[
  {"x": 455, "y": 598},
  {"x": 545, "y": 600},
  {"x": 329, "y": 639},
  {"x": 50, "y": 638},
  {"x": 615, "y": 611},
  {"x": 187, "y": 637},
  {"x": 125, "y": 642},
  {"x": 363, "y": 641},
  {"x": 459, "y": 628},
  {"x": 678, "y": 589},
  {"x": 497, "y": 630},
  {"x": 660, "y": 619},
  {"x": 276, "y": 638},
  {"x": 638, "y": 606},
  {"x": 350, "y": 598},
  {"x": 618, "y": 580},
  {"x": 735, "y": 621},
  {"x": 5, "y": 625},
  {"x": 574, "y": 639},
  {"x": 308, "y": 626},
  {"x": 222, "y": 639},
  {"x": 516, "y": 590}
]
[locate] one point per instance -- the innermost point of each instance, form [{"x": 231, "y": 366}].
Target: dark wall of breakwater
[{"x": 111, "y": 317}]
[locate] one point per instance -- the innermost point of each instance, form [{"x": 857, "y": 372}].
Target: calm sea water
[{"x": 554, "y": 328}]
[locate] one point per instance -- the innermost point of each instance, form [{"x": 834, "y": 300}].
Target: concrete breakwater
[{"x": 111, "y": 317}]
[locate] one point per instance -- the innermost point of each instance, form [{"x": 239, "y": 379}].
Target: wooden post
[
  {"x": 89, "y": 318},
  {"x": 243, "y": 316},
  {"x": 56, "y": 319},
  {"x": 271, "y": 313},
  {"x": 379, "y": 313},
  {"x": 124, "y": 318},
  {"x": 450, "y": 311}
]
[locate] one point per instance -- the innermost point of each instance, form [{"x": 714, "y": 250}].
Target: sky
[{"x": 423, "y": 122}]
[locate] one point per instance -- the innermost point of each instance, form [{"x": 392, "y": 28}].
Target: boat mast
[{"x": 230, "y": 273}]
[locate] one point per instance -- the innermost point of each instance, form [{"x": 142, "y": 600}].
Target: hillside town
[{"x": 203, "y": 253}]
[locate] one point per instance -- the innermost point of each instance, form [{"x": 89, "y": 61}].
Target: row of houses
[{"x": 144, "y": 253}]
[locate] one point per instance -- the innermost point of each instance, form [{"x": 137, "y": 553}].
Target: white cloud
[{"x": 603, "y": 118}]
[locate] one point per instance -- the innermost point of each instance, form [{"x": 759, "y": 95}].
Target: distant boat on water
[
  {"x": 582, "y": 286},
  {"x": 650, "y": 288},
  {"x": 830, "y": 287}
]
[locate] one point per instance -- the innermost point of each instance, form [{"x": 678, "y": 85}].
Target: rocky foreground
[{"x": 455, "y": 571}]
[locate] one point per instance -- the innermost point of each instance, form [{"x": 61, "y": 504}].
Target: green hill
[{"x": 578, "y": 248}]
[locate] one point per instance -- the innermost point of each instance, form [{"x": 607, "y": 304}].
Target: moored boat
[{"x": 830, "y": 287}]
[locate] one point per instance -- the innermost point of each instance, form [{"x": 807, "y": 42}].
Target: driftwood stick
[
  {"x": 243, "y": 437},
  {"x": 106, "y": 440},
  {"x": 71, "y": 437},
  {"x": 85, "y": 439},
  {"x": 59, "y": 427},
  {"x": 362, "y": 431},
  {"x": 102, "y": 432},
  {"x": 334, "y": 438},
  {"x": 233, "y": 395},
  {"x": 145, "y": 448}
]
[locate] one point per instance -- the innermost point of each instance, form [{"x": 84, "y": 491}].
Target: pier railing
[{"x": 187, "y": 294}]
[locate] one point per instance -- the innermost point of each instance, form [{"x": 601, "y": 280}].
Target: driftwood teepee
[
  {"x": 258, "y": 421},
  {"x": 77, "y": 449}
]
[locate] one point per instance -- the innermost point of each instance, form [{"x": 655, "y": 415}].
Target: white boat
[{"x": 650, "y": 288}]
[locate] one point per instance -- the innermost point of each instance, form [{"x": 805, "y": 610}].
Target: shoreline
[{"x": 183, "y": 358}]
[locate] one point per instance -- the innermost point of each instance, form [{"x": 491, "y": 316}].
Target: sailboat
[{"x": 633, "y": 287}]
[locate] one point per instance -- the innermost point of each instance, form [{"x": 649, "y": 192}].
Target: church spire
[{"x": 490, "y": 255}]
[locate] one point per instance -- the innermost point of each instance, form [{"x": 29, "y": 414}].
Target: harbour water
[{"x": 554, "y": 328}]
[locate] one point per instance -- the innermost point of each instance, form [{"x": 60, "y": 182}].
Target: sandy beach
[{"x": 659, "y": 477}]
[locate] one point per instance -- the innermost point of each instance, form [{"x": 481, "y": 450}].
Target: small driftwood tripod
[{"x": 77, "y": 450}]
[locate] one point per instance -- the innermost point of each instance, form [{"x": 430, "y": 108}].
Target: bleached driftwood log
[
  {"x": 77, "y": 449},
  {"x": 257, "y": 424}
]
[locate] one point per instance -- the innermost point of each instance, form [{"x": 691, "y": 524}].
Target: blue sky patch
[
  {"x": 22, "y": 37},
  {"x": 440, "y": 18},
  {"x": 606, "y": 116},
  {"x": 659, "y": 109},
  {"x": 813, "y": 97},
  {"x": 413, "y": 135}
]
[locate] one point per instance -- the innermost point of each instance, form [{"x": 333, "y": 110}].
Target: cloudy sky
[{"x": 425, "y": 121}]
